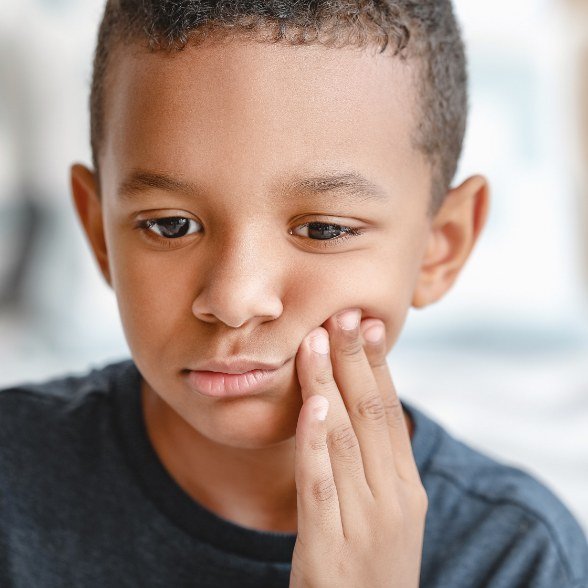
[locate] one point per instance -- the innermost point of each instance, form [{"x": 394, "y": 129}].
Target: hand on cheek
[{"x": 361, "y": 504}]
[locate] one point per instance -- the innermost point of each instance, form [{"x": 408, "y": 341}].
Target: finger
[
  {"x": 316, "y": 377},
  {"x": 364, "y": 402},
  {"x": 374, "y": 344},
  {"x": 319, "y": 517}
]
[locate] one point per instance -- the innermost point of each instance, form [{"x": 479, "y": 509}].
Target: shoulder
[
  {"x": 66, "y": 387},
  {"x": 503, "y": 513},
  {"x": 33, "y": 409}
]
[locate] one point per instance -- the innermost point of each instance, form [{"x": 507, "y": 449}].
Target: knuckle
[
  {"x": 394, "y": 411},
  {"x": 395, "y": 513},
  {"x": 323, "y": 378},
  {"x": 417, "y": 501},
  {"x": 343, "y": 439},
  {"x": 352, "y": 350},
  {"x": 371, "y": 408},
  {"x": 323, "y": 489},
  {"x": 318, "y": 444},
  {"x": 379, "y": 362}
]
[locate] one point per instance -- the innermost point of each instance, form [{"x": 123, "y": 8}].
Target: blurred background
[{"x": 501, "y": 361}]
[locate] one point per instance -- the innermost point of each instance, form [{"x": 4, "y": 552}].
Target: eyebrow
[{"x": 352, "y": 186}]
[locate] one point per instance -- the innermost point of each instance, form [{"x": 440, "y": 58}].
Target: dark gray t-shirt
[{"x": 85, "y": 502}]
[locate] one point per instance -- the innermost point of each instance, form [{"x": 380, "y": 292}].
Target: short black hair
[{"x": 426, "y": 30}]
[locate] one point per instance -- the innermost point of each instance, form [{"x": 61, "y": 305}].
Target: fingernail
[
  {"x": 348, "y": 319},
  {"x": 319, "y": 342},
  {"x": 374, "y": 334},
  {"x": 321, "y": 408}
]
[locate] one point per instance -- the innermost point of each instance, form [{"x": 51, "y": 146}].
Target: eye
[
  {"x": 328, "y": 233},
  {"x": 171, "y": 228}
]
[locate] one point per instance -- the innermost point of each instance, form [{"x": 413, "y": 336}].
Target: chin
[{"x": 251, "y": 423}]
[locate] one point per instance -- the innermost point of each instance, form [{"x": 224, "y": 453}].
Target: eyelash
[{"x": 348, "y": 232}]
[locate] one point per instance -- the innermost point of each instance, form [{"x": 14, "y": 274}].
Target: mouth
[
  {"x": 219, "y": 384},
  {"x": 236, "y": 366}
]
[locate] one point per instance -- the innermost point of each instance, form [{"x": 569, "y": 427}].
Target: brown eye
[
  {"x": 318, "y": 231},
  {"x": 172, "y": 227}
]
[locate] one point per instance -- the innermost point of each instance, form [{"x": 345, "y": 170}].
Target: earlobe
[
  {"x": 89, "y": 210},
  {"x": 453, "y": 233}
]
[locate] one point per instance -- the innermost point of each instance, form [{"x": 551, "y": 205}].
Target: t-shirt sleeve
[
  {"x": 537, "y": 555},
  {"x": 506, "y": 531}
]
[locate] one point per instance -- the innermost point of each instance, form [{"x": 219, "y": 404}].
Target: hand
[{"x": 361, "y": 504}]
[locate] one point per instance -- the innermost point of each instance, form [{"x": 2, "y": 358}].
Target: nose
[{"x": 241, "y": 284}]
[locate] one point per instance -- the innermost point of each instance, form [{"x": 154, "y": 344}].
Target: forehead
[{"x": 260, "y": 110}]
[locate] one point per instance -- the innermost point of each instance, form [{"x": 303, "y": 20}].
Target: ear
[
  {"x": 89, "y": 209},
  {"x": 452, "y": 236}
]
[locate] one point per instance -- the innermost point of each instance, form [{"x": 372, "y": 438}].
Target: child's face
[{"x": 241, "y": 123}]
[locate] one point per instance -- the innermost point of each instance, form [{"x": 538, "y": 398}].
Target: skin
[
  {"x": 239, "y": 120},
  {"x": 361, "y": 502}
]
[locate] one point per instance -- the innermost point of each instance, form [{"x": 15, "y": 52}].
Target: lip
[
  {"x": 225, "y": 385},
  {"x": 237, "y": 366}
]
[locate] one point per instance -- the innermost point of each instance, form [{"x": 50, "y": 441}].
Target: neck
[{"x": 254, "y": 488}]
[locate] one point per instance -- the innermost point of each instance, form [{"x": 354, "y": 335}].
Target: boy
[{"x": 261, "y": 171}]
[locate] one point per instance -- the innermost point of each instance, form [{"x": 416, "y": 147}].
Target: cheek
[
  {"x": 154, "y": 295},
  {"x": 387, "y": 295},
  {"x": 377, "y": 283}
]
